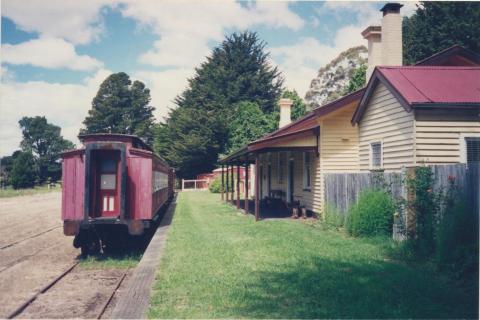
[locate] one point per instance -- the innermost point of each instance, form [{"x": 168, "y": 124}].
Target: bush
[
  {"x": 333, "y": 217},
  {"x": 23, "y": 171},
  {"x": 457, "y": 235},
  {"x": 372, "y": 215},
  {"x": 216, "y": 185}
]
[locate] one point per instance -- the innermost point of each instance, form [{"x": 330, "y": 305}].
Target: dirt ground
[{"x": 34, "y": 251}]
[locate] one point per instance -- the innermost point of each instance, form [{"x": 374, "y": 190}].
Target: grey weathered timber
[
  {"x": 342, "y": 190},
  {"x": 134, "y": 301}
]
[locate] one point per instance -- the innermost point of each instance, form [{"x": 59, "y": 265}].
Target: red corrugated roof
[{"x": 435, "y": 84}]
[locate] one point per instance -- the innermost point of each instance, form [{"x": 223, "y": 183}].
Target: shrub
[
  {"x": 333, "y": 217},
  {"x": 23, "y": 171},
  {"x": 457, "y": 235},
  {"x": 216, "y": 185},
  {"x": 372, "y": 215}
]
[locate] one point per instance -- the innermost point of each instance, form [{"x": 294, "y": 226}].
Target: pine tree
[
  {"x": 238, "y": 70},
  {"x": 121, "y": 107},
  {"x": 438, "y": 25}
]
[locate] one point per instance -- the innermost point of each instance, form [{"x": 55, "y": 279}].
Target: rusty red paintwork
[{"x": 148, "y": 181}]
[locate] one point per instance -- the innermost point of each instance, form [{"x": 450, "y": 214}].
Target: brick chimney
[
  {"x": 385, "y": 42},
  {"x": 285, "y": 112}
]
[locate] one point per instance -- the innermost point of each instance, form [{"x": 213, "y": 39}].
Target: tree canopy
[
  {"x": 23, "y": 172},
  {"x": 299, "y": 108},
  {"x": 358, "y": 79},
  {"x": 121, "y": 107},
  {"x": 199, "y": 129},
  {"x": 44, "y": 141},
  {"x": 438, "y": 25}
]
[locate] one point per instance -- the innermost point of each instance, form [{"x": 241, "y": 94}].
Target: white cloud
[
  {"x": 185, "y": 28},
  {"x": 164, "y": 87},
  {"x": 48, "y": 53},
  {"x": 76, "y": 21},
  {"x": 300, "y": 62},
  {"x": 65, "y": 105}
]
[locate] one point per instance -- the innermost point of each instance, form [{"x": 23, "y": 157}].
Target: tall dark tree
[
  {"x": 438, "y": 25},
  {"x": 121, "y": 107},
  {"x": 6, "y": 165},
  {"x": 250, "y": 123},
  {"x": 44, "y": 141},
  {"x": 237, "y": 70},
  {"x": 299, "y": 108},
  {"x": 23, "y": 173}
]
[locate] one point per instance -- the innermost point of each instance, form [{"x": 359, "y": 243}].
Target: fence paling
[
  {"x": 342, "y": 190},
  {"x": 203, "y": 184}
]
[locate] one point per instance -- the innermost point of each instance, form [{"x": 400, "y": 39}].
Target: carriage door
[{"x": 108, "y": 204}]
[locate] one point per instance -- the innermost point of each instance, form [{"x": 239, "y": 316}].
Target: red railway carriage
[{"x": 114, "y": 181}]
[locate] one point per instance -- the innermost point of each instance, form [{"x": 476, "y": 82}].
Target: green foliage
[
  {"x": 6, "y": 165},
  {"x": 249, "y": 123},
  {"x": 438, "y": 25},
  {"x": 426, "y": 209},
  {"x": 216, "y": 185},
  {"x": 219, "y": 264},
  {"x": 358, "y": 79},
  {"x": 457, "y": 237},
  {"x": 24, "y": 172},
  {"x": 372, "y": 215},
  {"x": 198, "y": 130},
  {"x": 121, "y": 107},
  {"x": 299, "y": 108},
  {"x": 333, "y": 217},
  {"x": 44, "y": 141}
]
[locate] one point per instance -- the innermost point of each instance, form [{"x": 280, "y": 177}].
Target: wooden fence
[{"x": 342, "y": 190}]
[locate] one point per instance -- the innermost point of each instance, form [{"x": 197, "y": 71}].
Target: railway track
[
  {"x": 28, "y": 302},
  {"x": 28, "y": 238}
]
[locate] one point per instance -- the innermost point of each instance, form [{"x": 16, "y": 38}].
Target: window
[
  {"x": 472, "y": 149},
  {"x": 107, "y": 181},
  {"x": 307, "y": 170},
  {"x": 376, "y": 155},
  {"x": 281, "y": 166}
]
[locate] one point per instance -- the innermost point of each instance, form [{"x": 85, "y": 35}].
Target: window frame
[
  {"x": 307, "y": 174},
  {"x": 280, "y": 168},
  {"x": 372, "y": 167},
  {"x": 463, "y": 145}
]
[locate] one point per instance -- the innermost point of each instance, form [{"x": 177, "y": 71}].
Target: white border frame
[
  {"x": 463, "y": 144},
  {"x": 370, "y": 155}
]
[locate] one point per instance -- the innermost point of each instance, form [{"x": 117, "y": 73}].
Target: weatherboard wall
[{"x": 386, "y": 121}]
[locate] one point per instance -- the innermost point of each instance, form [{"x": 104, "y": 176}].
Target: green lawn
[
  {"x": 220, "y": 264},
  {"x": 10, "y": 192}
]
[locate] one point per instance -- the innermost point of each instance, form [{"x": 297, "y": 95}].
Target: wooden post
[
  {"x": 183, "y": 184},
  {"x": 232, "y": 196},
  {"x": 223, "y": 182},
  {"x": 257, "y": 188},
  {"x": 227, "y": 187},
  {"x": 238, "y": 185},
  {"x": 246, "y": 187}
]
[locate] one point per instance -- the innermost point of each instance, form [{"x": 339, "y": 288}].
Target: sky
[{"x": 56, "y": 53}]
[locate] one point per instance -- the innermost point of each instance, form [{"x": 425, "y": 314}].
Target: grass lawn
[
  {"x": 220, "y": 264},
  {"x": 10, "y": 192}
]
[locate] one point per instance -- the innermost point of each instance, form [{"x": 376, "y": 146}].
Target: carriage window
[
  {"x": 108, "y": 181},
  {"x": 108, "y": 165}
]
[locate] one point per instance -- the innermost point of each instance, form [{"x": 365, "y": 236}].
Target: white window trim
[
  {"x": 463, "y": 145},
  {"x": 371, "y": 155},
  {"x": 305, "y": 187}
]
